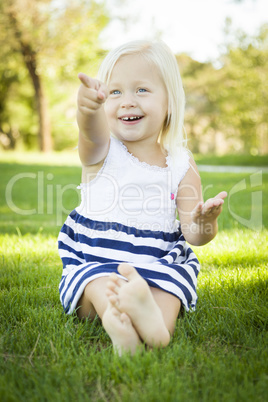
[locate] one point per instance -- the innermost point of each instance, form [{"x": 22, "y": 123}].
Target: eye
[
  {"x": 141, "y": 90},
  {"x": 115, "y": 92}
]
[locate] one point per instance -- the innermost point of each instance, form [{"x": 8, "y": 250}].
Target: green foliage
[
  {"x": 226, "y": 101},
  {"x": 227, "y": 106},
  {"x": 16, "y": 97},
  {"x": 62, "y": 38},
  {"x": 244, "y": 99}
]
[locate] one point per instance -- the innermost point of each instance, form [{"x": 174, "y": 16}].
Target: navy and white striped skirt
[{"x": 90, "y": 249}]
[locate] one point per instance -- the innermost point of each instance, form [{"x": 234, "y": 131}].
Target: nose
[{"x": 128, "y": 101}]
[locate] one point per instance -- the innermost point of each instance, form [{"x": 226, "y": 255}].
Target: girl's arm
[
  {"x": 198, "y": 219},
  {"x": 94, "y": 132}
]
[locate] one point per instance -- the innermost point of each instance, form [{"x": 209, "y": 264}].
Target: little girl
[{"x": 123, "y": 250}]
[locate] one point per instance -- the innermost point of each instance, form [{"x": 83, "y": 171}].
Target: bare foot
[
  {"x": 120, "y": 329},
  {"x": 135, "y": 298}
]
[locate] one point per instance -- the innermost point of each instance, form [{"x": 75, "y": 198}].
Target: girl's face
[{"x": 137, "y": 104}]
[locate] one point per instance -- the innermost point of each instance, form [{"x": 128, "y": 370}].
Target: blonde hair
[{"x": 172, "y": 136}]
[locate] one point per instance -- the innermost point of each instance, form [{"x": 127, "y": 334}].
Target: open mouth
[{"x": 130, "y": 118}]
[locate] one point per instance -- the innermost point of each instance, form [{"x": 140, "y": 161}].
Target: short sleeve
[{"x": 180, "y": 164}]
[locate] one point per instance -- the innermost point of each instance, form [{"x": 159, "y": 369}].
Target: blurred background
[{"x": 221, "y": 47}]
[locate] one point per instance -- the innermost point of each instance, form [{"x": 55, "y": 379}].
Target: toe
[
  {"x": 125, "y": 319},
  {"x": 113, "y": 277},
  {"x": 128, "y": 271},
  {"x": 115, "y": 312},
  {"x": 109, "y": 293},
  {"x": 113, "y": 300},
  {"x": 112, "y": 286}
]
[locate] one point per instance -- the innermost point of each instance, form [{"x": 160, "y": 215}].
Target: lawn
[
  {"x": 233, "y": 160},
  {"x": 218, "y": 353}
]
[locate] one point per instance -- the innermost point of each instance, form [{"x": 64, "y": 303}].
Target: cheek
[{"x": 110, "y": 109}]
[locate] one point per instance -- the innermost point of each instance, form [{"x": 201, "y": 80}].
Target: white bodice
[{"x": 133, "y": 193}]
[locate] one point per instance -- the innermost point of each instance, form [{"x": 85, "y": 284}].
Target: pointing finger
[
  {"x": 85, "y": 79},
  {"x": 101, "y": 94}
]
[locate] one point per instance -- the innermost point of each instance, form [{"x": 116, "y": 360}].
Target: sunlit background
[
  {"x": 221, "y": 47},
  {"x": 195, "y": 27}
]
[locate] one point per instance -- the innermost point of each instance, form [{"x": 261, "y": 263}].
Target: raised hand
[
  {"x": 91, "y": 94},
  {"x": 209, "y": 210}
]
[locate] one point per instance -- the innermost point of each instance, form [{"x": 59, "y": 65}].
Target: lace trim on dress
[{"x": 145, "y": 164}]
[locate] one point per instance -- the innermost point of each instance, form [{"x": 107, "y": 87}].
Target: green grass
[
  {"x": 233, "y": 160},
  {"x": 218, "y": 353},
  {"x": 63, "y": 158}
]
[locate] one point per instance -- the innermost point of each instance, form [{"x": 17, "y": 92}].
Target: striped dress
[{"x": 128, "y": 214}]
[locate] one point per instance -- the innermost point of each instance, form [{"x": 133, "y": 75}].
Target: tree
[
  {"x": 244, "y": 100},
  {"x": 229, "y": 102},
  {"x": 50, "y": 37},
  {"x": 9, "y": 77},
  {"x": 200, "y": 112}
]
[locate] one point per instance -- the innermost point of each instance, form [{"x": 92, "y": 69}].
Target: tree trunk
[
  {"x": 44, "y": 134},
  {"x": 30, "y": 59}
]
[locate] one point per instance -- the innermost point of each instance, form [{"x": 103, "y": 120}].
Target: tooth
[{"x": 130, "y": 118}]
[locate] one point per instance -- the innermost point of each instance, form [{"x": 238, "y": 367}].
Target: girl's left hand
[{"x": 209, "y": 210}]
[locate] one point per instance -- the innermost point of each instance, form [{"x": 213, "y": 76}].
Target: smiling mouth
[{"x": 130, "y": 118}]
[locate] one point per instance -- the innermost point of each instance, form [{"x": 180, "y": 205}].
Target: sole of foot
[
  {"x": 135, "y": 298},
  {"x": 121, "y": 331}
]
